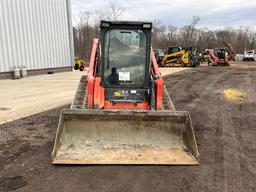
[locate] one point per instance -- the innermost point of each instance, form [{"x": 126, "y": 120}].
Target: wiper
[{"x": 129, "y": 32}]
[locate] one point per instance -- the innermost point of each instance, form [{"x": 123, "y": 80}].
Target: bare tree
[
  {"x": 87, "y": 27},
  {"x": 84, "y": 19},
  {"x": 99, "y": 15},
  {"x": 116, "y": 9},
  {"x": 84, "y": 35},
  {"x": 195, "y": 20},
  {"x": 189, "y": 32}
]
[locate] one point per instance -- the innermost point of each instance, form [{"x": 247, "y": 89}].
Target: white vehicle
[{"x": 249, "y": 55}]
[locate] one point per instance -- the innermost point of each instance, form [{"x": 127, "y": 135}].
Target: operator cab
[
  {"x": 125, "y": 60},
  {"x": 171, "y": 50},
  {"x": 221, "y": 53}
]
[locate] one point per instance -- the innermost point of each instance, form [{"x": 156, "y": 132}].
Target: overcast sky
[{"x": 214, "y": 13}]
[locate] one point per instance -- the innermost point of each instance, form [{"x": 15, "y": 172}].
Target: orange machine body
[
  {"x": 221, "y": 59},
  {"x": 95, "y": 91}
]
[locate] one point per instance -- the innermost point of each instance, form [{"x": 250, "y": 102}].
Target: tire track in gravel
[
  {"x": 230, "y": 140},
  {"x": 207, "y": 94},
  {"x": 243, "y": 121}
]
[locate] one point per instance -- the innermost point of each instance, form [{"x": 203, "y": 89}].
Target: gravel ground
[{"x": 225, "y": 131}]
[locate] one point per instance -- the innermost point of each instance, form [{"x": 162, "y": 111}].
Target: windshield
[
  {"x": 173, "y": 50},
  {"x": 219, "y": 51},
  {"x": 124, "y": 57}
]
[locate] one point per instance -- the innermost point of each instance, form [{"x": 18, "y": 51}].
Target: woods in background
[{"x": 242, "y": 38}]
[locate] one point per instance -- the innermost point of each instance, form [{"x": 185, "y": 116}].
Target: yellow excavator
[
  {"x": 180, "y": 57},
  {"x": 122, "y": 112}
]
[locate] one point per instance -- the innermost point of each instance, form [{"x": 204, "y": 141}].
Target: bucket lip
[
  {"x": 160, "y": 113},
  {"x": 123, "y": 163}
]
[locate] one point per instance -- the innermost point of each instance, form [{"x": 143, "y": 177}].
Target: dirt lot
[{"x": 225, "y": 131}]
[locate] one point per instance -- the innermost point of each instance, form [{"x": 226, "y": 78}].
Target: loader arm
[
  {"x": 91, "y": 74},
  {"x": 214, "y": 57},
  {"x": 159, "y": 82}
]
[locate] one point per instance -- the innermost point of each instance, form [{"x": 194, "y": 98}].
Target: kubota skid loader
[
  {"x": 218, "y": 57},
  {"x": 122, "y": 113}
]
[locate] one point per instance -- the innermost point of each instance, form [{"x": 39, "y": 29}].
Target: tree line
[
  {"x": 190, "y": 35},
  {"x": 242, "y": 38}
]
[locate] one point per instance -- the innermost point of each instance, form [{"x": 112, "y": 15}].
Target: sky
[{"x": 214, "y": 14}]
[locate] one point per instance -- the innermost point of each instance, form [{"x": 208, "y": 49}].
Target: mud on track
[{"x": 225, "y": 132}]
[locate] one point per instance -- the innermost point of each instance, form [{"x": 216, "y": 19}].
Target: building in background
[{"x": 36, "y": 34}]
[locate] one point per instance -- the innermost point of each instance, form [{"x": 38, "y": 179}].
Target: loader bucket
[{"x": 124, "y": 137}]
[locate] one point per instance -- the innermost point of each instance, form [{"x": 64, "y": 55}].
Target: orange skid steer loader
[{"x": 122, "y": 113}]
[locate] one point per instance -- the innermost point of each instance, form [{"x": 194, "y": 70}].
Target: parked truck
[{"x": 249, "y": 55}]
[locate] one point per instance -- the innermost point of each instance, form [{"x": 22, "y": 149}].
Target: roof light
[
  {"x": 146, "y": 25},
  {"x": 105, "y": 24}
]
